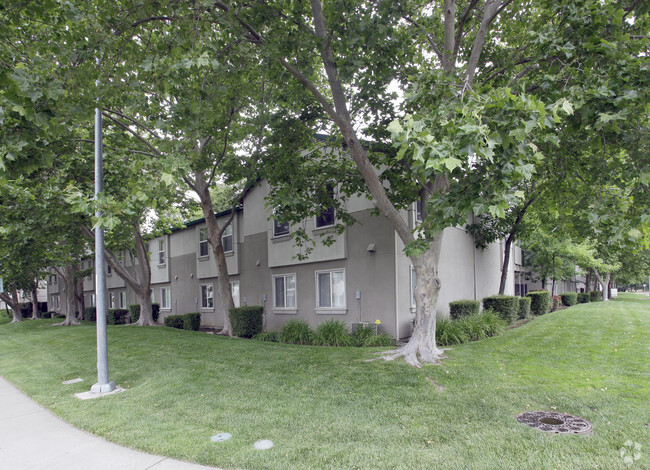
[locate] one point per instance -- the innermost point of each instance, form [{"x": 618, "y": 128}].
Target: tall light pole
[{"x": 103, "y": 384}]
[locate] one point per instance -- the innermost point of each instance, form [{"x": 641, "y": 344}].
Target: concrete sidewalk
[{"x": 31, "y": 438}]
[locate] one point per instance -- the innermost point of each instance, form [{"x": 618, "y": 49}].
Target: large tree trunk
[
  {"x": 604, "y": 283},
  {"x": 588, "y": 280},
  {"x": 506, "y": 262},
  {"x": 14, "y": 305},
  {"x": 79, "y": 297},
  {"x": 202, "y": 189},
  {"x": 67, "y": 276},
  {"x": 36, "y": 310}
]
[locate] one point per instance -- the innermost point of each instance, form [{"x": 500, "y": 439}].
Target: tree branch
[
  {"x": 133, "y": 120},
  {"x": 461, "y": 27},
  {"x": 132, "y": 132},
  {"x": 430, "y": 38}
]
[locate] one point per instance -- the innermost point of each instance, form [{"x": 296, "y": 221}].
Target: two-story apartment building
[{"x": 363, "y": 276}]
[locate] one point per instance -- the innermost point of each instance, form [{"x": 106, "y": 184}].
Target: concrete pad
[{"x": 91, "y": 395}]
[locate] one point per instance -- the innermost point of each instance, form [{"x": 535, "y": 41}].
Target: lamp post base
[{"x": 103, "y": 388}]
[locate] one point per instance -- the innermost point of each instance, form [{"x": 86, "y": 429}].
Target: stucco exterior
[{"x": 364, "y": 273}]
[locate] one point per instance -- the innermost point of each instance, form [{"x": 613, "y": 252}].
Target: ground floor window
[
  {"x": 91, "y": 300},
  {"x": 122, "y": 298},
  {"x": 330, "y": 289},
  {"x": 234, "y": 289},
  {"x": 111, "y": 300},
  {"x": 207, "y": 296},
  {"x": 165, "y": 298},
  {"x": 56, "y": 302},
  {"x": 284, "y": 291}
]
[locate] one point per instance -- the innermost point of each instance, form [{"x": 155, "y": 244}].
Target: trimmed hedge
[
  {"x": 595, "y": 296},
  {"x": 174, "y": 321},
  {"x": 569, "y": 298},
  {"x": 584, "y": 298},
  {"x": 246, "y": 321},
  {"x": 540, "y": 302},
  {"x": 192, "y": 321},
  {"x": 117, "y": 316},
  {"x": 462, "y": 308},
  {"x": 135, "y": 312},
  {"x": 524, "y": 307},
  {"x": 507, "y": 306},
  {"x": 90, "y": 313}
]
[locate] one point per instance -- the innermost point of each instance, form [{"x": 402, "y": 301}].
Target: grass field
[{"x": 327, "y": 408}]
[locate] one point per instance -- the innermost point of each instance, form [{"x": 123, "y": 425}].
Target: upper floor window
[
  {"x": 109, "y": 270},
  {"x": 326, "y": 216},
  {"x": 226, "y": 239},
  {"x": 280, "y": 228},
  {"x": 284, "y": 291},
  {"x": 52, "y": 279},
  {"x": 161, "y": 251},
  {"x": 418, "y": 211},
  {"x": 330, "y": 289},
  {"x": 203, "y": 242}
]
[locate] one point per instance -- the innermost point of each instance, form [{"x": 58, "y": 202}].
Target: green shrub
[
  {"x": 524, "y": 307},
  {"x": 192, "y": 321},
  {"x": 540, "y": 302},
  {"x": 506, "y": 305},
  {"x": 556, "y": 301},
  {"x": 134, "y": 310},
  {"x": 584, "y": 298},
  {"x": 450, "y": 332},
  {"x": 246, "y": 321},
  {"x": 174, "y": 321},
  {"x": 90, "y": 313},
  {"x": 569, "y": 298},
  {"x": 268, "y": 336},
  {"x": 332, "y": 333},
  {"x": 155, "y": 311},
  {"x": 461, "y": 308},
  {"x": 362, "y": 335},
  {"x": 296, "y": 332},
  {"x": 595, "y": 296},
  {"x": 117, "y": 316}
]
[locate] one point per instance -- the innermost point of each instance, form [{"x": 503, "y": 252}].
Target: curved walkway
[{"x": 32, "y": 438}]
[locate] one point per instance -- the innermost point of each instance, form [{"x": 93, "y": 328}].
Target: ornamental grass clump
[
  {"x": 332, "y": 333},
  {"x": 296, "y": 332},
  {"x": 268, "y": 337},
  {"x": 366, "y": 336}
]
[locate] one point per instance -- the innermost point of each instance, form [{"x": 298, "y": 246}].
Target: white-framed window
[
  {"x": 203, "y": 242},
  {"x": 280, "y": 228},
  {"x": 161, "y": 251},
  {"x": 56, "y": 302},
  {"x": 414, "y": 281},
  {"x": 327, "y": 216},
  {"x": 330, "y": 289},
  {"x": 234, "y": 289},
  {"x": 111, "y": 300},
  {"x": 165, "y": 298},
  {"x": 226, "y": 239},
  {"x": 52, "y": 279},
  {"x": 418, "y": 212},
  {"x": 91, "y": 300},
  {"x": 122, "y": 299},
  {"x": 207, "y": 296},
  {"x": 284, "y": 291}
]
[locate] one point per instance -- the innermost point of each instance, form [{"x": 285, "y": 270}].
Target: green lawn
[{"x": 327, "y": 408}]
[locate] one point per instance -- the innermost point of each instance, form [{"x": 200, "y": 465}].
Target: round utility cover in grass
[
  {"x": 264, "y": 444},
  {"x": 222, "y": 436},
  {"x": 556, "y": 423}
]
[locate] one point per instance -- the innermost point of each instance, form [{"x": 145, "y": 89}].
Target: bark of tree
[
  {"x": 12, "y": 301},
  {"x": 67, "y": 275},
  {"x": 36, "y": 310},
  {"x": 588, "y": 280},
  {"x": 511, "y": 238},
  {"x": 604, "y": 283},
  {"x": 79, "y": 297},
  {"x": 202, "y": 188}
]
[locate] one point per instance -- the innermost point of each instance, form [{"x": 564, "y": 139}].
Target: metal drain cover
[{"x": 556, "y": 423}]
